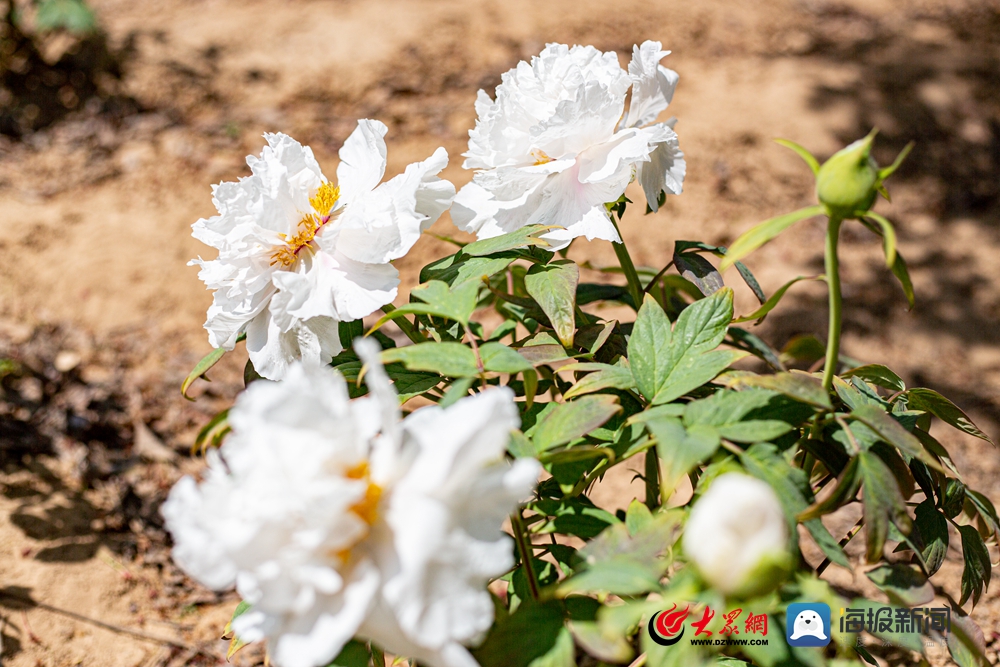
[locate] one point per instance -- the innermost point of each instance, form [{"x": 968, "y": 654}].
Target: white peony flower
[
  {"x": 335, "y": 520},
  {"x": 557, "y": 144},
  {"x": 298, "y": 253},
  {"x": 737, "y": 535}
]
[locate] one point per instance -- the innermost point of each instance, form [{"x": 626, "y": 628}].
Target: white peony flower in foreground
[
  {"x": 557, "y": 143},
  {"x": 737, "y": 535},
  {"x": 299, "y": 253},
  {"x": 334, "y": 519}
]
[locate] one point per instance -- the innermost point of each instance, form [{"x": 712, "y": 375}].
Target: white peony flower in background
[
  {"x": 334, "y": 519},
  {"x": 557, "y": 143},
  {"x": 298, "y": 253},
  {"x": 737, "y": 535}
]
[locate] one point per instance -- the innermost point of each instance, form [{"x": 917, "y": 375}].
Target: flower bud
[
  {"x": 737, "y": 536},
  {"x": 848, "y": 181}
]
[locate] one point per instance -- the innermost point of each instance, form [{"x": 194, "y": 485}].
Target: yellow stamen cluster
[
  {"x": 322, "y": 202},
  {"x": 365, "y": 509},
  {"x": 540, "y": 157}
]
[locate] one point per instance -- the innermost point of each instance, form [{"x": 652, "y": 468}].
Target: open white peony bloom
[
  {"x": 557, "y": 144},
  {"x": 298, "y": 253},
  {"x": 334, "y": 519},
  {"x": 737, "y": 534}
]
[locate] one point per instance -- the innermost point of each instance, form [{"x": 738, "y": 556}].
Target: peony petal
[
  {"x": 652, "y": 84},
  {"x": 384, "y": 224},
  {"x": 665, "y": 170},
  {"x": 362, "y": 160}
]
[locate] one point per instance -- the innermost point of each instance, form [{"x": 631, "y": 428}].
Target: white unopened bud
[{"x": 737, "y": 536}]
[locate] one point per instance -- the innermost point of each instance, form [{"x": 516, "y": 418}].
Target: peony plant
[{"x": 433, "y": 499}]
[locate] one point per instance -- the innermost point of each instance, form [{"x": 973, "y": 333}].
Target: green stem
[
  {"x": 652, "y": 475},
  {"x": 833, "y": 282},
  {"x": 524, "y": 548},
  {"x": 404, "y": 325},
  {"x": 635, "y": 288}
]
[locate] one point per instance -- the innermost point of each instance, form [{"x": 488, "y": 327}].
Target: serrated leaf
[
  {"x": 669, "y": 363},
  {"x": 439, "y": 299},
  {"x": 932, "y": 528},
  {"x": 522, "y": 238},
  {"x": 930, "y": 401},
  {"x": 978, "y": 568},
  {"x": 798, "y": 386},
  {"x": 882, "y": 503},
  {"x": 553, "y": 287},
  {"x": 572, "y": 420},
  {"x": 764, "y": 232},
  {"x": 906, "y": 586},
  {"x": 769, "y": 305},
  {"x": 449, "y": 359},
  {"x": 606, "y": 376}
]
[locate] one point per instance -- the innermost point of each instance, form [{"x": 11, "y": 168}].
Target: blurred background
[{"x": 116, "y": 116}]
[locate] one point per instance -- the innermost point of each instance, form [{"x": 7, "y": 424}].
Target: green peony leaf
[
  {"x": 882, "y": 503},
  {"x": 569, "y": 421},
  {"x": 978, "y": 568},
  {"x": 449, "y": 359},
  {"x": 668, "y": 364},
  {"x": 930, "y": 401},
  {"x": 553, "y": 287},
  {"x": 761, "y": 233},
  {"x": 524, "y": 237},
  {"x": 605, "y": 376},
  {"x": 906, "y": 586}
]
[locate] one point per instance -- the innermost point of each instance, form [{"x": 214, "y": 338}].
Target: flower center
[
  {"x": 541, "y": 157},
  {"x": 322, "y": 202},
  {"x": 366, "y": 508}
]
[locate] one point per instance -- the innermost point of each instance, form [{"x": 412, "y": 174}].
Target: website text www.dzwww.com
[{"x": 729, "y": 642}]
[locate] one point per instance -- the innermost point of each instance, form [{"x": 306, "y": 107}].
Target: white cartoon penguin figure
[{"x": 808, "y": 624}]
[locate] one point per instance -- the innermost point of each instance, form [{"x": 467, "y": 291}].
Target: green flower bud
[{"x": 848, "y": 181}]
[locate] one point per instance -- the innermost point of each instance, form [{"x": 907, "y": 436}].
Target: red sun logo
[{"x": 667, "y": 627}]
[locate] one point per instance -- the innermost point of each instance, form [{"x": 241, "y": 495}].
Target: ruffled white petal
[
  {"x": 287, "y": 511},
  {"x": 362, "y": 160},
  {"x": 382, "y": 225},
  {"x": 556, "y": 144},
  {"x": 665, "y": 170},
  {"x": 652, "y": 84},
  {"x": 286, "y": 273}
]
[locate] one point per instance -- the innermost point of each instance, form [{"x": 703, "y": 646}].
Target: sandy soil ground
[{"x": 95, "y": 216}]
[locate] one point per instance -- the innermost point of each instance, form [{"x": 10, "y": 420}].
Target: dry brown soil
[{"x": 95, "y": 216}]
